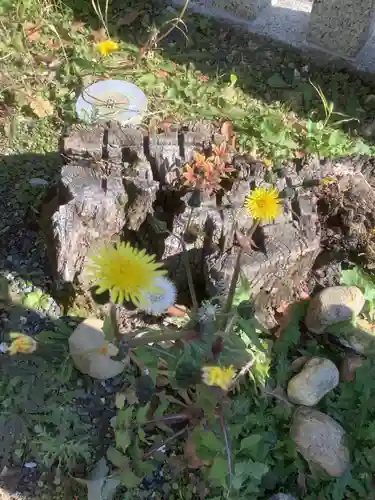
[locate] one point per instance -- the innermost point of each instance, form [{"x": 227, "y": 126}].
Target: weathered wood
[
  {"x": 90, "y": 217},
  {"x": 121, "y": 182}
]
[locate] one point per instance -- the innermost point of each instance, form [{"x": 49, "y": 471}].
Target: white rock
[
  {"x": 36, "y": 181},
  {"x": 4, "y": 348},
  {"x": 30, "y": 465},
  {"x": 315, "y": 380},
  {"x": 84, "y": 344},
  {"x": 333, "y": 305},
  {"x": 320, "y": 440}
]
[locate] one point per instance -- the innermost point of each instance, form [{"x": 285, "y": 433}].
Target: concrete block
[
  {"x": 341, "y": 26},
  {"x": 244, "y": 9}
]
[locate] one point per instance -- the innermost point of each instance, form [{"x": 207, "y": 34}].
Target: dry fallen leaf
[
  {"x": 77, "y": 26},
  {"x": 162, "y": 381},
  {"x": 32, "y": 31},
  {"x": 131, "y": 396},
  {"x": 129, "y": 18},
  {"x": 42, "y": 58},
  {"x": 177, "y": 311},
  {"x": 227, "y": 130},
  {"x": 99, "y": 35},
  {"x": 349, "y": 366},
  {"x": 120, "y": 400},
  {"x": 52, "y": 43},
  {"x": 41, "y": 107}
]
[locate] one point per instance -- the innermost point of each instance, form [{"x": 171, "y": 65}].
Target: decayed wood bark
[{"x": 121, "y": 183}]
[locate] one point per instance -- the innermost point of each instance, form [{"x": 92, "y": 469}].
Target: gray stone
[
  {"x": 315, "y": 380},
  {"x": 37, "y": 182},
  {"x": 333, "y": 305},
  {"x": 320, "y": 440},
  {"x": 245, "y": 9},
  {"x": 341, "y": 26}
]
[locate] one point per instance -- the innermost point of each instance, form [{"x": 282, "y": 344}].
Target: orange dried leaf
[
  {"x": 41, "y": 107},
  {"x": 33, "y": 35},
  {"x": 227, "y": 130},
  {"x": 177, "y": 311},
  {"x": 52, "y": 43},
  {"x": 78, "y": 27}
]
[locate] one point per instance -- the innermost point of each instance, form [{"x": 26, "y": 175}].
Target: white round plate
[{"x": 111, "y": 100}]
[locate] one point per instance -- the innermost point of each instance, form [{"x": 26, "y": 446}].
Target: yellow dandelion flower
[
  {"x": 22, "y": 344},
  {"x": 267, "y": 162},
  {"x": 263, "y": 204},
  {"x": 328, "y": 180},
  {"x": 126, "y": 272},
  {"x": 217, "y": 376},
  {"x": 107, "y": 47}
]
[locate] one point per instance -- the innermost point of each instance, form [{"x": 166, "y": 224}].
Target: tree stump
[{"x": 123, "y": 183}]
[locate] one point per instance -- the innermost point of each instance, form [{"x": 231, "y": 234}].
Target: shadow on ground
[
  {"x": 52, "y": 417},
  {"x": 25, "y": 181}
]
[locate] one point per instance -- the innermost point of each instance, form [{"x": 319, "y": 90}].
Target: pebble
[
  {"x": 333, "y": 305},
  {"x": 30, "y": 465},
  {"x": 318, "y": 377},
  {"x": 320, "y": 440},
  {"x": 36, "y": 182}
]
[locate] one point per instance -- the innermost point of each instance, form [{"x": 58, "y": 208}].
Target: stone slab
[
  {"x": 341, "y": 26},
  {"x": 287, "y": 22},
  {"x": 247, "y": 9}
]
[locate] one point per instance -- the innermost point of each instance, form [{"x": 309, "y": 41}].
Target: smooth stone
[
  {"x": 320, "y": 440},
  {"x": 333, "y": 305},
  {"x": 36, "y": 182},
  {"x": 313, "y": 382},
  {"x": 84, "y": 343}
]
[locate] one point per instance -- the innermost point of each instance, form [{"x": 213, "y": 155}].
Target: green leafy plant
[
  {"x": 279, "y": 140},
  {"x": 324, "y": 138},
  {"x": 359, "y": 278}
]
